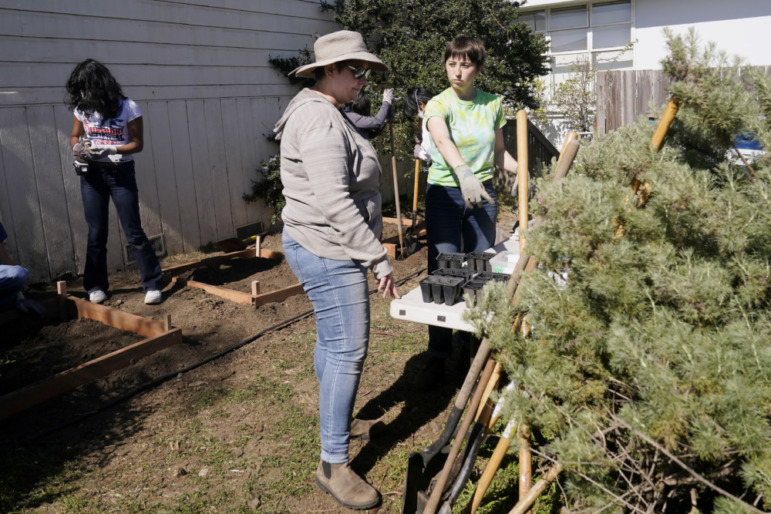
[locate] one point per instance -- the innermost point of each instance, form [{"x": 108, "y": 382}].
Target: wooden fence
[{"x": 624, "y": 96}]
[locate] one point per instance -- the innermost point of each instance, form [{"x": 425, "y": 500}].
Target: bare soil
[{"x": 225, "y": 421}]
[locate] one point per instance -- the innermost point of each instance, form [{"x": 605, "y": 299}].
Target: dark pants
[
  {"x": 96, "y": 187},
  {"x": 453, "y": 227}
]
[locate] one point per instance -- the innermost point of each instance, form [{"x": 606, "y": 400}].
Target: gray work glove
[
  {"x": 471, "y": 187},
  {"x": 388, "y": 96},
  {"x": 79, "y": 153},
  {"x": 101, "y": 151}
]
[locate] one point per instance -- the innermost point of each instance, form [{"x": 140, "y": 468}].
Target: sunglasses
[{"x": 359, "y": 72}]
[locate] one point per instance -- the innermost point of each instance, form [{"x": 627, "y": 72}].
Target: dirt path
[{"x": 235, "y": 434}]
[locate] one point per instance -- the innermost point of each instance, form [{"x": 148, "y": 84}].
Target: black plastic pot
[
  {"x": 489, "y": 275},
  {"x": 463, "y": 273},
  {"x": 452, "y": 289},
  {"x": 425, "y": 289},
  {"x": 450, "y": 260},
  {"x": 479, "y": 261},
  {"x": 472, "y": 287}
]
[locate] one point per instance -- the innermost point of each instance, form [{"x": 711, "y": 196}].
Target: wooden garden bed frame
[
  {"x": 255, "y": 298},
  {"x": 158, "y": 334}
]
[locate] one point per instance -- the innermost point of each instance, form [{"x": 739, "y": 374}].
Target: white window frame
[{"x": 590, "y": 52}]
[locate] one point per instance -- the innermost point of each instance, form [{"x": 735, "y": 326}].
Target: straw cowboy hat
[{"x": 343, "y": 45}]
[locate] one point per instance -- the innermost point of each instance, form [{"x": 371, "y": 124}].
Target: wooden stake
[
  {"x": 255, "y": 289},
  {"x": 525, "y": 502},
  {"x": 525, "y": 461},
  {"x": 666, "y": 120},
  {"x": 61, "y": 289},
  {"x": 522, "y": 176}
]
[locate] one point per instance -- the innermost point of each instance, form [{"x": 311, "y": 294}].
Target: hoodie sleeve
[{"x": 328, "y": 157}]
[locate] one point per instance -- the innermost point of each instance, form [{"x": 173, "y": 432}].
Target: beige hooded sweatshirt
[{"x": 331, "y": 177}]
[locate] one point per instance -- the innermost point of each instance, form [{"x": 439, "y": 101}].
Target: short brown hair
[{"x": 466, "y": 46}]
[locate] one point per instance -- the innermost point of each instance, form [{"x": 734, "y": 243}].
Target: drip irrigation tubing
[{"x": 159, "y": 380}]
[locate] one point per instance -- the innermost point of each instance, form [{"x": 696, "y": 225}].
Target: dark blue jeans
[
  {"x": 453, "y": 227},
  {"x": 97, "y": 187}
]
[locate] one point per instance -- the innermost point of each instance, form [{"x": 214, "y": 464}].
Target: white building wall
[
  {"x": 198, "y": 70},
  {"x": 738, "y": 27}
]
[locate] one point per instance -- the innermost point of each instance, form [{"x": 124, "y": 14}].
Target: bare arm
[
  {"x": 136, "y": 133},
  {"x": 440, "y": 134},
  {"x": 77, "y": 131},
  {"x": 503, "y": 158}
]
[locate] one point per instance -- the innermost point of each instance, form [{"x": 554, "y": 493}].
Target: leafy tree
[
  {"x": 647, "y": 374},
  {"x": 410, "y": 36},
  {"x": 575, "y": 97}
]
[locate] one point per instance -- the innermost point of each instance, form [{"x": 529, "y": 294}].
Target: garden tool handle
[{"x": 415, "y": 189}]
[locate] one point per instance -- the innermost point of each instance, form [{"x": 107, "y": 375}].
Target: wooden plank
[
  {"x": 249, "y": 253},
  {"x": 276, "y": 87},
  {"x": 115, "y": 318},
  {"x": 6, "y": 216},
  {"x": 147, "y": 185},
  {"x": 82, "y": 14},
  {"x": 627, "y": 97},
  {"x": 405, "y": 221},
  {"x": 219, "y": 168},
  {"x": 157, "y": 116},
  {"x": 222, "y": 292},
  {"x": 279, "y": 295},
  {"x": 391, "y": 249},
  {"x": 50, "y": 186},
  {"x": 238, "y": 180},
  {"x": 61, "y": 26},
  {"x": 24, "y": 202},
  {"x": 183, "y": 173},
  {"x": 202, "y": 176},
  {"x": 77, "y": 229},
  {"x": 90, "y": 371}
]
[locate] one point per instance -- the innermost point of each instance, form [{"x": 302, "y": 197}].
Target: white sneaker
[
  {"x": 97, "y": 296},
  {"x": 153, "y": 296}
]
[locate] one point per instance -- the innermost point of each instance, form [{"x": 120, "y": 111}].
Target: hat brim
[{"x": 307, "y": 71}]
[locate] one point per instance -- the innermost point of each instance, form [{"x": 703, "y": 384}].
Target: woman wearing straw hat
[{"x": 332, "y": 225}]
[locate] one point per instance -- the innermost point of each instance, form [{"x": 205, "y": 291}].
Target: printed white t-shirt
[{"x": 113, "y": 131}]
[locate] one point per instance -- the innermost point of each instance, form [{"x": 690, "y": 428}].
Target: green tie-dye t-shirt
[{"x": 472, "y": 125}]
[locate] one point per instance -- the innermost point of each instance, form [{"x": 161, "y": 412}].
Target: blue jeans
[
  {"x": 12, "y": 280},
  {"x": 339, "y": 293},
  {"x": 96, "y": 188},
  {"x": 453, "y": 227}
]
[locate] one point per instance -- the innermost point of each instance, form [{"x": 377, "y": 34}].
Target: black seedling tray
[
  {"x": 464, "y": 273},
  {"x": 479, "y": 261},
  {"x": 489, "y": 275},
  {"x": 441, "y": 289},
  {"x": 450, "y": 260}
]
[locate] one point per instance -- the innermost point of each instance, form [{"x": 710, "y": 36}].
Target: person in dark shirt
[{"x": 358, "y": 113}]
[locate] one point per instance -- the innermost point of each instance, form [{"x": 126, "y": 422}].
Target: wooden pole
[
  {"x": 441, "y": 481},
  {"x": 522, "y": 176},
  {"x": 61, "y": 289},
  {"x": 666, "y": 120},
  {"x": 492, "y": 466},
  {"x": 525, "y": 502},
  {"x": 525, "y": 461},
  {"x": 396, "y": 189}
]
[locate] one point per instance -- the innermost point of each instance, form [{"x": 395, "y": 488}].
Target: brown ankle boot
[{"x": 345, "y": 486}]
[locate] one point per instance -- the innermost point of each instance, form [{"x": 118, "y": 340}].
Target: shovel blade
[{"x": 421, "y": 470}]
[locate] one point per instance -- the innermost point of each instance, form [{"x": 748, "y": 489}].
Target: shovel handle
[{"x": 436, "y": 494}]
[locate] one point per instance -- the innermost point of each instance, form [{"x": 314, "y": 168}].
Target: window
[{"x": 597, "y": 32}]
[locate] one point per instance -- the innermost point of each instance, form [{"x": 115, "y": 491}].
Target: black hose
[{"x": 159, "y": 380}]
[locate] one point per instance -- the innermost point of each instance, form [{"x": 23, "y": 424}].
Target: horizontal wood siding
[{"x": 198, "y": 70}]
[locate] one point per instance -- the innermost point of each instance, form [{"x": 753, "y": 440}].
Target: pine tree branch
[{"x": 684, "y": 466}]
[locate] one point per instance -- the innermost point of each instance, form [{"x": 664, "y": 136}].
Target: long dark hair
[
  {"x": 415, "y": 95},
  {"x": 362, "y": 105},
  {"x": 92, "y": 88}
]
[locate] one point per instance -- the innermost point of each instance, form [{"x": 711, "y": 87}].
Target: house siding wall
[{"x": 200, "y": 74}]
